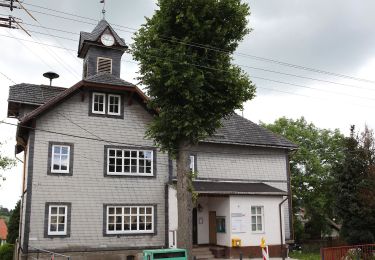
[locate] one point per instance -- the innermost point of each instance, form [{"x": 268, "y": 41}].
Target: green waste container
[{"x": 172, "y": 253}]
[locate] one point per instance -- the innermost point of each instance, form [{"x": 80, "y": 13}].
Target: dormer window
[
  {"x": 98, "y": 103},
  {"x": 114, "y": 104},
  {"x": 106, "y": 104},
  {"x": 104, "y": 65}
]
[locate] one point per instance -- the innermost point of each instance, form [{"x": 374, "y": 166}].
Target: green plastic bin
[{"x": 171, "y": 253}]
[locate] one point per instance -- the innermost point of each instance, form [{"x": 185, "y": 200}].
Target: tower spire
[{"x": 103, "y": 10}]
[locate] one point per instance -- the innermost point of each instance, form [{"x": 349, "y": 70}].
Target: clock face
[{"x": 107, "y": 39}]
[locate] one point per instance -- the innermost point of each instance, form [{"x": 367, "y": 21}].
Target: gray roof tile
[
  {"x": 235, "y": 129},
  {"x": 107, "y": 78},
  {"x": 225, "y": 187},
  {"x": 239, "y": 130},
  {"x": 32, "y": 94}
]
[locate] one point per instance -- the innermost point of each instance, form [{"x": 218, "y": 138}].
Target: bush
[{"x": 6, "y": 252}]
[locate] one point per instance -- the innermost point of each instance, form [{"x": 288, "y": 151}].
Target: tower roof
[{"x": 101, "y": 27}]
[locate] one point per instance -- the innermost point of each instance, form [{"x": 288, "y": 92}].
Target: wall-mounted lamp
[{"x": 199, "y": 207}]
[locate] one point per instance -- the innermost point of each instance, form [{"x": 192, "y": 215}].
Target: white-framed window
[
  {"x": 114, "y": 104},
  {"x": 98, "y": 103},
  {"x": 257, "y": 219},
  {"x": 129, "y": 162},
  {"x": 60, "y": 158},
  {"x": 192, "y": 163},
  {"x": 130, "y": 219},
  {"x": 57, "y": 219}
]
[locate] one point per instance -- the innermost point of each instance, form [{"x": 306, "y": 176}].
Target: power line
[
  {"x": 276, "y": 81},
  {"x": 281, "y": 82},
  {"x": 210, "y": 47},
  {"x": 8, "y": 78},
  {"x": 240, "y": 65}
]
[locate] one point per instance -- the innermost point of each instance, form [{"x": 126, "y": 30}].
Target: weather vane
[{"x": 103, "y": 10}]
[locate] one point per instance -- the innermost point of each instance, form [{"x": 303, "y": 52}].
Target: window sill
[
  {"x": 128, "y": 175},
  {"x": 120, "y": 234}
]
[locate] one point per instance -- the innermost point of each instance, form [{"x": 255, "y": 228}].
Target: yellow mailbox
[{"x": 236, "y": 242}]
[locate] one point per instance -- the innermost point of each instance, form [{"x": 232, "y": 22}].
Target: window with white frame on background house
[
  {"x": 98, "y": 103},
  {"x": 129, "y": 162},
  {"x": 257, "y": 218},
  {"x": 57, "y": 219},
  {"x": 60, "y": 159},
  {"x": 130, "y": 219},
  {"x": 114, "y": 104}
]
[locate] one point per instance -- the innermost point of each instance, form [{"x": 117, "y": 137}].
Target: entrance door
[
  {"x": 195, "y": 227},
  {"x": 212, "y": 227}
]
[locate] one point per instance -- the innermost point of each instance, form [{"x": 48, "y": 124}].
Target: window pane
[
  {"x": 253, "y": 219},
  {"x": 148, "y": 170},
  {"x": 53, "y": 227},
  {"x": 118, "y": 227},
  {"x": 134, "y": 210},
  {"x": 111, "y": 152},
  {"x": 148, "y": 219},
  {"x": 119, "y": 153},
  {"x": 259, "y": 226},
  {"x": 141, "y": 226},
  {"x": 253, "y": 210},
  {"x": 259, "y": 210},
  {"x": 148, "y": 210},
  {"x": 259, "y": 219},
  {"x": 119, "y": 219},
  {"x": 118, "y": 210},
  {"x": 61, "y": 219},
  {"x": 111, "y": 220},
  {"x": 56, "y": 149},
  {"x": 64, "y": 150},
  {"x": 141, "y": 154},
  {"x": 61, "y": 227},
  {"x": 54, "y": 220},
  {"x": 134, "y": 153},
  {"x": 127, "y": 210},
  {"x": 62, "y": 210},
  {"x": 148, "y": 226},
  {"x": 142, "y": 210},
  {"x": 53, "y": 210},
  {"x": 148, "y": 154},
  {"x": 111, "y": 210},
  {"x": 253, "y": 227},
  {"x": 55, "y": 166},
  {"x": 111, "y": 227}
]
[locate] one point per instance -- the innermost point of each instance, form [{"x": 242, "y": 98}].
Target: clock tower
[{"x": 101, "y": 50}]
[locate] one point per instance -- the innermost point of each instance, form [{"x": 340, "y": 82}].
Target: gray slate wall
[{"x": 87, "y": 189}]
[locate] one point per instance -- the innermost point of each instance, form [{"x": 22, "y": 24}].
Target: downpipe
[{"x": 281, "y": 229}]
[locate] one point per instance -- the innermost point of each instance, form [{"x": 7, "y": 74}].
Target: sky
[{"x": 294, "y": 55}]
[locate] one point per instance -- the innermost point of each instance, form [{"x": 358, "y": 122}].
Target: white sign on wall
[{"x": 237, "y": 223}]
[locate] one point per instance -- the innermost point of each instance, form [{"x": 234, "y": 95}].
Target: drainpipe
[{"x": 281, "y": 229}]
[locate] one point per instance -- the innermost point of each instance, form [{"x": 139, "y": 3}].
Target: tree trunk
[{"x": 184, "y": 200}]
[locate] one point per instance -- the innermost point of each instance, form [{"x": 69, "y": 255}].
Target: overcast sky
[{"x": 336, "y": 36}]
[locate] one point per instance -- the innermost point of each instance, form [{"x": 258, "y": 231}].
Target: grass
[{"x": 304, "y": 256}]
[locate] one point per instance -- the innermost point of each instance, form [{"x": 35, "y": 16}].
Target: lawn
[{"x": 304, "y": 256}]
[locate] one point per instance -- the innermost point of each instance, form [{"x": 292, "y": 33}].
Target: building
[
  {"x": 94, "y": 187},
  {"x": 3, "y": 232}
]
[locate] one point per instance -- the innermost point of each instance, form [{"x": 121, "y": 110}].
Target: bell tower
[{"x": 101, "y": 50}]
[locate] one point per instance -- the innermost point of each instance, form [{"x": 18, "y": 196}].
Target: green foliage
[
  {"x": 355, "y": 182},
  {"x": 311, "y": 172},
  {"x": 193, "y": 87},
  {"x": 6, "y": 252},
  {"x": 305, "y": 256},
  {"x": 5, "y": 164},
  {"x": 13, "y": 224}
]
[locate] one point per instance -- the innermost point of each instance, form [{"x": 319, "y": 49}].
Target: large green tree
[
  {"x": 311, "y": 165},
  {"x": 354, "y": 188},
  {"x": 185, "y": 52}
]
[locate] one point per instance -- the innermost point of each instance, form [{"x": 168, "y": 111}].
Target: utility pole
[{"x": 12, "y": 22}]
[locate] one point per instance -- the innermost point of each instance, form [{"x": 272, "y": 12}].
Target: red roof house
[{"x": 3, "y": 230}]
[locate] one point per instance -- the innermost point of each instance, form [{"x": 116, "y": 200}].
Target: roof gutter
[{"x": 281, "y": 230}]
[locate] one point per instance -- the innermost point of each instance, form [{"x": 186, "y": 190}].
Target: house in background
[
  {"x": 94, "y": 186},
  {"x": 3, "y": 232}
]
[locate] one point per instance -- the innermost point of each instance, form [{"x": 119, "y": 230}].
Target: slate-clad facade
[{"x": 94, "y": 186}]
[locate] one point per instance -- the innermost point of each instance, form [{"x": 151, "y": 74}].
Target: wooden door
[
  {"x": 195, "y": 227},
  {"x": 212, "y": 227}
]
